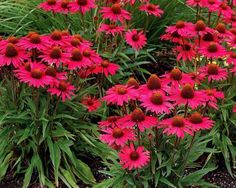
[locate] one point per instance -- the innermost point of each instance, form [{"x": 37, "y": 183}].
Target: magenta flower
[{"x": 135, "y": 39}]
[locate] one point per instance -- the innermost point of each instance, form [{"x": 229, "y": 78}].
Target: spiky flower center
[
  {"x": 64, "y": 4},
  {"x": 62, "y": 86},
  {"x": 233, "y": 31},
  {"x": 76, "y": 55},
  {"x": 151, "y": 7},
  {"x": 211, "y": 2},
  {"x": 117, "y": 132},
  {"x": 197, "y": 1},
  {"x": 116, "y": 8},
  {"x": 175, "y": 34},
  {"x": 112, "y": 119},
  {"x": 132, "y": 82},
  {"x": 12, "y": 40},
  {"x": 86, "y": 53},
  {"x": 134, "y": 156},
  {"x": 187, "y": 92},
  {"x": 137, "y": 115},
  {"x": 221, "y": 28},
  {"x": 90, "y": 102},
  {"x": 56, "y": 53},
  {"x": 208, "y": 37},
  {"x": 112, "y": 26},
  {"x": 11, "y": 50},
  {"x": 82, "y": 2},
  {"x": 154, "y": 82},
  {"x": 35, "y": 38},
  {"x": 51, "y": 2},
  {"x": 178, "y": 121},
  {"x": 135, "y": 37},
  {"x": 196, "y": 118},
  {"x": 180, "y": 24},
  {"x": 105, "y": 63},
  {"x": 176, "y": 74},
  {"x": 157, "y": 98},
  {"x": 233, "y": 55},
  {"x": 200, "y": 25},
  {"x": 121, "y": 90},
  {"x": 223, "y": 6},
  {"x": 212, "y": 69},
  {"x": 187, "y": 47},
  {"x": 75, "y": 42},
  {"x": 212, "y": 47},
  {"x": 56, "y": 35},
  {"x": 36, "y": 73},
  {"x": 51, "y": 72}
]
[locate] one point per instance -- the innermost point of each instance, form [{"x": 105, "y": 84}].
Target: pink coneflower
[
  {"x": 212, "y": 5},
  {"x": 225, "y": 10},
  {"x": 195, "y": 3},
  {"x": 212, "y": 50},
  {"x": 176, "y": 125},
  {"x": 112, "y": 121},
  {"x": 32, "y": 41},
  {"x": 200, "y": 29},
  {"x": 232, "y": 41},
  {"x": 151, "y": 9},
  {"x": 139, "y": 119},
  {"x": 231, "y": 20},
  {"x": 91, "y": 103},
  {"x": 231, "y": 59},
  {"x": 181, "y": 27},
  {"x": 55, "y": 75},
  {"x": 133, "y": 83},
  {"x": 132, "y": 158},
  {"x": 213, "y": 72},
  {"x": 76, "y": 41},
  {"x": 185, "y": 52},
  {"x": 107, "y": 68},
  {"x": 33, "y": 74},
  {"x": 49, "y": 5},
  {"x": 54, "y": 55},
  {"x": 174, "y": 37},
  {"x": 234, "y": 109},
  {"x": 111, "y": 29},
  {"x": 222, "y": 32},
  {"x": 82, "y": 6},
  {"x": 135, "y": 39},
  {"x": 199, "y": 122},
  {"x": 115, "y": 13},
  {"x": 12, "y": 54},
  {"x": 176, "y": 77},
  {"x": 62, "y": 89},
  {"x": 117, "y": 136},
  {"x": 187, "y": 96},
  {"x": 156, "y": 102},
  {"x": 154, "y": 83},
  {"x": 211, "y": 97},
  {"x": 120, "y": 94},
  {"x": 206, "y": 39},
  {"x": 77, "y": 60},
  {"x": 63, "y": 6},
  {"x": 56, "y": 38}
]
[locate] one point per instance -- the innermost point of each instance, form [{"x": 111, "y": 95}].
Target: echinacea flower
[
  {"x": 63, "y": 6},
  {"x": 176, "y": 125},
  {"x": 174, "y": 37},
  {"x": 176, "y": 77},
  {"x": 225, "y": 10},
  {"x": 200, "y": 122},
  {"x": 182, "y": 28},
  {"x": 91, "y": 103},
  {"x": 111, "y": 29},
  {"x": 120, "y": 94},
  {"x": 111, "y": 121},
  {"x": 211, "y": 97},
  {"x": 132, "y": 158},
  {"x": 200, "y": 29},
  {"x": 187, "y": 96},
  {"x": 107, "y": 68},
  {"x": 133, "y": 83},
  {"x": 222, "y": 31},
  {"x": 234, "y": 109},
  {"x": 62, "y": 89},
  {"x": 139, "y": 119},
  {"x": 212, "y": 5},
  {"x": 213, "y": 72},
  {"x": 195, "y": 3},
  {"x": 54, "y": 55},
  {"x": 82, "y": 6},
  {"x": 12, "y": 55},
  {"x": 151, "y": 9},
  {"x": 56, "y": 38},
  {"x": 117, "y": 136},
  {"x": 135, "y": 39},
  {"x": 55, "y": 74},
  {"x": 186, "y": 52},
  {"x": 32, "y": 41},
  {"x": 115, "y": 13},
  {"x": 33, "y": 74},
  {"x": 231, "y": 59},
  {"x": 48, "y": 5},
  {"x": 156, "y": 102},
  {"x": 212, "y": 50}
]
